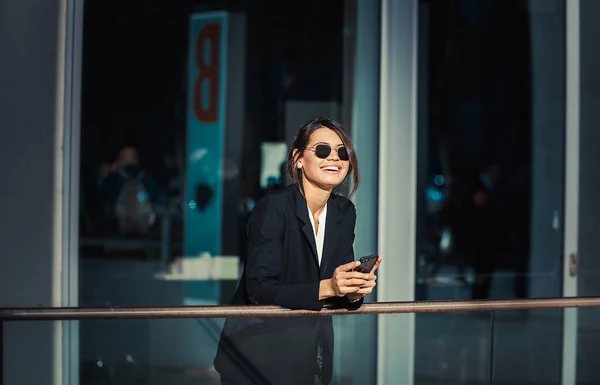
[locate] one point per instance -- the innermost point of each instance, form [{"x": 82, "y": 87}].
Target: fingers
[
  {"x": 347, "y": 281},
  {"x": 357, "y": 291},
  {"x": 347, "y": 267},
  {"x": 356, "y": 275},
  {"x": 364, "y": 291},
  {"x": 352, "y": 282},
  {"x": 376, "y": 265},
  {"x": 367, "y": 288},
  {"x": 370, "y": 284},
  {"x": 348, "y": 290},
  {"x": 355, "y": 283},
  {"x": 345, "y": 286}
]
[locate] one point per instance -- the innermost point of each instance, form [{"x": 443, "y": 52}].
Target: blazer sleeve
[
  {"x": 347, "y": 258},
  {"x": 264, "y": 263}
]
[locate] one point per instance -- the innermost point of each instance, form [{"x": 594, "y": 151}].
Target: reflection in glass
[
  {"x": 491, "y": 129},
  {"x": 466, "y": 348},
  {"x": 202, "y": 98},
  {"x": 490, "y": 171}
]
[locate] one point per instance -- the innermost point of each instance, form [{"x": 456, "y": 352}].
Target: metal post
[
  {"x": 491, "y": 363},
  {"x": 1, "y": 352},
  {"x": 165, "y": 239}
]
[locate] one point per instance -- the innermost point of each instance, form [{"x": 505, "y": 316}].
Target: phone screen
[{"x": 367, "y": 263}]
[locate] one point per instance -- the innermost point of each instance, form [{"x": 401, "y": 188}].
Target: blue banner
[{"x": 207, "y": 76}]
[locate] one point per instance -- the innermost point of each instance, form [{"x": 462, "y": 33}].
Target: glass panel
[
  {"x": 178, "y": 351},
  {"x": 528, "y": 346},
  {"x": 503, "y": 347},
  {"x": 188, "y": 109},
  {"x": 182, "y": 351},
  {"x": 29, "y": 351},
  {"x": 453, "y": 348},
  {"x": 588, "y": 346},
  {"x": 587, "y": 265},
  {"x": 490, "y": 173},
  {"x": 173, "y": 351},
  {"x": 165, "y": 179},
  {"x": 491, "y": 149}
]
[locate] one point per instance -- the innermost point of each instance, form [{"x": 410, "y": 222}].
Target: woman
[{"x": 300, "y": 256}]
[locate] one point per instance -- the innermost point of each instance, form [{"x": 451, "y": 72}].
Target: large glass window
[
  {"x": 587, "y": 263},
  {"x": 188, "y": 109},
  {"x": 491, "y": 170},
  {"x": 493, "y": 128}
]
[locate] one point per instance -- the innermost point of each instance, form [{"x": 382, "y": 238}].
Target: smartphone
[{"x": 367, "y": 263}]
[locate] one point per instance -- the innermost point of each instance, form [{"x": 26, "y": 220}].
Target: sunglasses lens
[
  {"x": 343, "y": 153},
  {"x": 322, "y": 151}
]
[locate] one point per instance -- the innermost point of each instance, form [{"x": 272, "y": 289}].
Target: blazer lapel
[
  {"x": 332, "y": 232},
  {"x": 307, "y": 229}
]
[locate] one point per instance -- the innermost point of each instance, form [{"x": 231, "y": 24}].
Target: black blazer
[{"x": 282, "y": 269}]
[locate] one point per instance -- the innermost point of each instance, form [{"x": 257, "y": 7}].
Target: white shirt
[{"x": 320, "y": 236}]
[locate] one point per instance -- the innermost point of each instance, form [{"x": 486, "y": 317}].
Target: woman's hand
[
  {"x": 367, "y": 288},
  {"x": 346, "y": 282},
  {"x": 343, "y": 281}
]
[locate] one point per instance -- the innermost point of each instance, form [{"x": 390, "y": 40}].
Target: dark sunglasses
[{"x": 322, "y": 151}]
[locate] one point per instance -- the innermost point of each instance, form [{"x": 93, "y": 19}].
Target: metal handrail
[{"x": 56, "y": 314}]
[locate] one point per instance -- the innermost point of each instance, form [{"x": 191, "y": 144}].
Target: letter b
[{"x": 208, "y": 71}]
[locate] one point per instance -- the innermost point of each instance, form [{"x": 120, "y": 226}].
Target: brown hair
[{"x": 301, "y": 142}]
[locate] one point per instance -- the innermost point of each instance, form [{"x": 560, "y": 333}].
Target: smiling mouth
[{"x": 331, "y": 169}]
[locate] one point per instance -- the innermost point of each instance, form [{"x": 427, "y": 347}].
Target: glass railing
[{"x": 454, "y": 342}]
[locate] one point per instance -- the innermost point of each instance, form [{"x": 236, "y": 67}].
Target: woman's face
[{"x": 327, "y": 172}]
